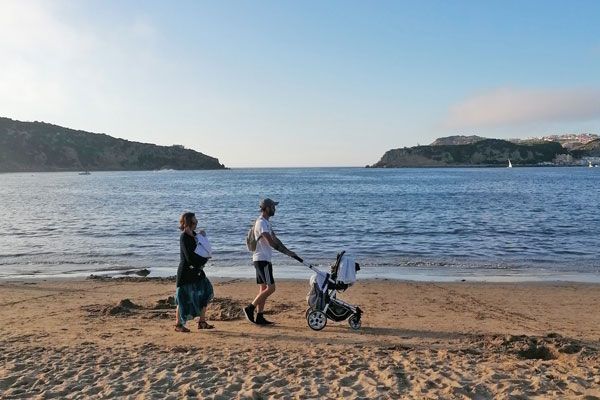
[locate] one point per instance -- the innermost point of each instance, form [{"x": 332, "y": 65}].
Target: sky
[{"x": 302, "y": 83}]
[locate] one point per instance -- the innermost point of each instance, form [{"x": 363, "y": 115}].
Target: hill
[
  {"x": 569, "y": 141},
  {"x": 590, "y": 149},
  {"x": 39, "y": 146},
  {"x": 487, "y": 152},
  {"x": 456, "y": 140}
]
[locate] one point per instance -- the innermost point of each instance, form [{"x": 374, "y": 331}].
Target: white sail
[{"x": 509, "y": 164}]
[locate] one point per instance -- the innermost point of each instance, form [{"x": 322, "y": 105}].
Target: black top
[{"x": 190, "y": 264}]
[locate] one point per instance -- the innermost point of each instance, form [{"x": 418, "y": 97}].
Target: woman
[{"x": 194, "y": 290}]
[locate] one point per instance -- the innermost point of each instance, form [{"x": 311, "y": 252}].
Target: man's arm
[{"x": 275, "y": 243}]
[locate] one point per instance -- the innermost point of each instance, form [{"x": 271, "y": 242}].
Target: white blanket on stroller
[{"x": 347, "y": 270}]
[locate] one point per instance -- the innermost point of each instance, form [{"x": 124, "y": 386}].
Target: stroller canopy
[
  {"x": 346, "y": 272},
  {"x": 343, "y": 274}
]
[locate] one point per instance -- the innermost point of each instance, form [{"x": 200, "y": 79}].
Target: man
[{"x": 266, "y": 241}]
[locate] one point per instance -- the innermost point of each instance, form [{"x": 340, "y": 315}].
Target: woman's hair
[{"x": 186, "y": 220}]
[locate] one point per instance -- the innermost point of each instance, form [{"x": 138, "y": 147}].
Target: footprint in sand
[
  {"x": 258, "y": 379},
  {"x": 8, "y": 382},
  {"x": 280, "y": 383},
  {"x": 347, "y": 381}
]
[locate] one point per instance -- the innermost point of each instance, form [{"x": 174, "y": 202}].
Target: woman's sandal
[
  {"x": 181, "y": 328},
  {"x": 204, "y": 325}
]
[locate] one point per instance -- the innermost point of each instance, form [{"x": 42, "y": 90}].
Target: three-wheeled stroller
[{"x": 323, "y": 303}]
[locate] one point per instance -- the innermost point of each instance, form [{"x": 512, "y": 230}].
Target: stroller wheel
[
  {"x": 354, "y": 322},
  {"x": 316, "y": 320},
  {"x": 308, "y": 310}
]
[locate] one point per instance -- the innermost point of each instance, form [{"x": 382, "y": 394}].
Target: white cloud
[
  {"x": 34, "y": 44},
  {"x": 33, "y": 29},
  {"x": 512, "y": 107},
  {"x": 143, "y": 28},
  {"x": 66, "y": 68}
]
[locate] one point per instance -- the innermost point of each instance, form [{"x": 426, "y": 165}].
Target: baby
[{"x": 203, "y": 248}]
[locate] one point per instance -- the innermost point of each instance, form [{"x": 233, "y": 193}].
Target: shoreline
[
  {"x": 303, "y": 274},
  {"x": 479, "y": 166},
  {"x": 358, "y": 167},
  {"x": 62, "y": 338},
  {"x": 171, "y": 279}
]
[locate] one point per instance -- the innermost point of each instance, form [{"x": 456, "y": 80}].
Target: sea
[{"x": 430, "y": 224}]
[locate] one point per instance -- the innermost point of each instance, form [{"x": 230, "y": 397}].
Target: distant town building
[
  {"x": 582, "y": 138},
  {"x": 563, "y": 159},
  {"x": 569, "y": 140},
  {"x": 593, "y": 160}
]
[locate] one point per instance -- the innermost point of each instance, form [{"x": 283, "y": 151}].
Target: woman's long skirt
[{"x": 192, "y": 298}]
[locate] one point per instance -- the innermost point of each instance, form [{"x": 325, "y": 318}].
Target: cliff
[
  {"x": 38, "y": 146},
  {"x": 487, "y": 152},
  {"x": 456, "y": 140},
  {"x": 590, "y": 149}
]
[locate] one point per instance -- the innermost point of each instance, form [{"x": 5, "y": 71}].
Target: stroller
[{"x": 323, "y": 303}]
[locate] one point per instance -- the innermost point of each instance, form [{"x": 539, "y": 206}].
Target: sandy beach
[{"x": 114, "y": 339}]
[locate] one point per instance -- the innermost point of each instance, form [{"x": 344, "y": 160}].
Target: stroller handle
[
  {"x": 301, "y": 261},
  {"x": 305, "y": 263}
]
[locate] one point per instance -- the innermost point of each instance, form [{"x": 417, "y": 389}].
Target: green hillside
[
  {"x": 590, "y": 149},
  {"x": 38, "y": 146},
  {"x": 488, "y": 152}
]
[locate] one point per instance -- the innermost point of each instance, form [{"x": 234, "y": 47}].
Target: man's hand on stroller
[{"x": 279, "y": 246}]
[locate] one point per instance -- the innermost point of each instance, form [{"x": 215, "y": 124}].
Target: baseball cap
[{"x": 264, "y": 203}]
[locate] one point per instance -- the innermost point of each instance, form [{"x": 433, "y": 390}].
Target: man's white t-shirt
[{"x": 264, "y": 251}]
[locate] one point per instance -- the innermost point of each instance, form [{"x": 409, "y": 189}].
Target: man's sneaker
[
  {"x": 260, "y": 320},
  {"x": 249, "y": 313}
]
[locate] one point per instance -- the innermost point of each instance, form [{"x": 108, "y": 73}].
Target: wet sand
[{"x": 73, "y": 339}]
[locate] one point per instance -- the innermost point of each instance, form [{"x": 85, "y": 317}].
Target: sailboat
[
  {"x": 509, "y": 164},
  {"x": 590, "y": 164}
]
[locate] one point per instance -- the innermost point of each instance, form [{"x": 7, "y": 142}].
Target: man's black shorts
[{"x": 264, "y": 272}]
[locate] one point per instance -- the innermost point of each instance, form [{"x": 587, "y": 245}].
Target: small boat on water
[
  {"x": 590, "y": 164},
  {"x": 85, "y": 173},
  {"x": 509, "y": 164}
]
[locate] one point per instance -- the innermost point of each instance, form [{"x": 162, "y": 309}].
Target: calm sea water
[{"x": 441, "y": 224}]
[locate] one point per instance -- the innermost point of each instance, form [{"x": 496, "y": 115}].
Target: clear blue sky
[{"x": 305, "y": 83}]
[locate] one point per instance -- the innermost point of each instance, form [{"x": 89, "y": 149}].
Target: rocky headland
[
  {"x": 477, "y": 151},
  {"x": 42, "y": 147}
]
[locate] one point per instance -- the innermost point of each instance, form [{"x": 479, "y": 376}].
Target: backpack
[{"x": 251, "y": 241}]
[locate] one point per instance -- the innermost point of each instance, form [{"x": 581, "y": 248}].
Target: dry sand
[{"x": 72, "y": 339}]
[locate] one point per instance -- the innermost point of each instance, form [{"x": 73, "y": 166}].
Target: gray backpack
[{"x": 251, "y": 241}]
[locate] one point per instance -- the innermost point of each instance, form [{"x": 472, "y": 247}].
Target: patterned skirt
[{"x": 192, "y": 298}]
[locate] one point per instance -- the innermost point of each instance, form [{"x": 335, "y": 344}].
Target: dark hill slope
[
  {"x": 481, "y": 153},
  {"x": 38, "y": 146},
  {"x": 590, "y": 149}
]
